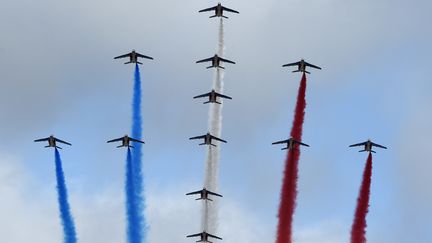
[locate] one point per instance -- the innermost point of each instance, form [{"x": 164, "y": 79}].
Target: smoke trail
[
  {"x": 358, "y": 230},
  {"x": 289, "y": 184},
  {"x": 136, "y": 225},
  {"x": 65, "y": 214},
  {"x": 211, "y": 209},
  {"x": 133, "y": 230}
]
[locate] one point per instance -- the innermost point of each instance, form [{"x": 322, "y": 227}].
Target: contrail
[
  {"x": 65, "y": 212},
  {"x": 136, "y": 225},
  {"x": 211, "y": 209},
  {"x": 289, "y": 184},
  {"x": 358, "y": 229}
]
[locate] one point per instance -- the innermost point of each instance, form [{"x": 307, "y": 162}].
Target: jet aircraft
[
  {"x": 368, "y": 145},
  {"x": 301, "y": 66},
  {"x": 208, "y": 139},
  {"x": 52, "y": 141},
  {"x": 216, "y": 60},
  {"x": 219, "y": 10},
  {"x": 291, "y": 142},
  {"x": 204, "y": 193},
  {"x": 204, "y": 237},
  {"x": 212, "y": 97},
  {"x": 125, "y": 141},
  {"x": 133, "y": 57}
]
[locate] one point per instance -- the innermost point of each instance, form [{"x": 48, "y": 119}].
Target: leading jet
[
  {"x": 301, "y": 66},
  {"x": 133, "y": 57},
  {"x": 125, "y": 141},
  {"x": 291, "y": 142},
  {"x": 204, "y": 193},
  {"x": 216, "y": 60},
  {"x": 213, "y": 95},
  {"x": 219, "y": 10},
  {"x": 208, "y": 139},
  {"x": 368, "y": 145},
  {"x": 52, "y": 141},
  {"x": 204, "y": 237}
]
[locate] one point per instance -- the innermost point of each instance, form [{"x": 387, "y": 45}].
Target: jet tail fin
[
  {"x": 127, "y": 62},
  {"x": 296, "y": 71},
  {"x": 284, "y": 148},
  {"x": 220, "y": 67},
  {"x": 364, "y": 150},
  {"x": 213, "y": 16},
  {"x": 209, "y": 67},
  {"x": 206, "y": 102},
  {"x": 202, "y": 144},
  {"x": 139, "y": 63},
  {"x": 58, "y": 147},
  {"x": 212, "y": 145},
  {"x": 224, "y": 17}
]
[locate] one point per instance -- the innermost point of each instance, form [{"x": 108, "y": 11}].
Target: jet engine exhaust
[
  {"x": 358, "y": 229},
  {"x": 289, "y": 183},
  {"x": 65, "y": 212}
]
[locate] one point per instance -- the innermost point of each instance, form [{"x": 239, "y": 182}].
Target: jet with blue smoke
[{"x": 65, "y": 212}]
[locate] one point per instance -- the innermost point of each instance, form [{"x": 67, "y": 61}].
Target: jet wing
[
  {"x": 41, "y": 139},
  {"x": 115, "y": 140},
  {"x": 203, "y": 95},
  {"x": 135, "y": 140},
  {"x": 144, "y": 56},
  {"x": 291, "y": 64},
  {"x": 193, "y": 193},
  {"x": 379, "y": 146},
  {"x": 229, "y": 10},
  {"x": 122, "y": 56},
  {"x": 207, "y": 9},
  {"x": 311, "y": 65},
  {"x": 358, "y": 144},
  {"x": 226, "y": 60},
  {"x": 194, "y": 235},
  {"x": 218, "y": 139},
  {"x": 197, "y": 137},
  {"x": 281, "y": 142},
  {"x": 61, "y": 141},
  {"x": 214, "y": 236},
  {"x": 223, "y": 96},
  {"x": 214, "y": 194},
  {"x": 205, "y": 60}
]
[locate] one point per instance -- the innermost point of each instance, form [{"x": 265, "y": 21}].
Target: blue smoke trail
[
  {"x": 65, "y": 214},
  {"x": 136, "y": 228}
]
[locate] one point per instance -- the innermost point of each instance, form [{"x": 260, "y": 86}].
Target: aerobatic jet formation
[
  {"x": 301, "y": 66},
  {"x": 133, "y": 57},
  {"x": 368, "y": 145},
  {"x": 216, "y": 60},
  {"x": 213, "y": 95},
  {"x": 208, "y": 139},
  {"x": 291, "y": 142},
  {"x": 204, "y": 237},
  {"x": 218, "y": 9},
  {"x": 204, "y": 193},
  {"x": 52, "y": 141},
  {"x": 125, "y": 141}
]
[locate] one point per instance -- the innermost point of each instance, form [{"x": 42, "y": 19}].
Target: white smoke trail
[{"x": 210, "y": 208}]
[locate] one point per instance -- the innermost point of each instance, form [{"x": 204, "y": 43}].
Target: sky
[{"x": 58, "y": 76}]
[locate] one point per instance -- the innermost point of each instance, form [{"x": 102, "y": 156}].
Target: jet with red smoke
[
  {"x": 368, "y": 145},
  {"x": 301, "y": 66}
]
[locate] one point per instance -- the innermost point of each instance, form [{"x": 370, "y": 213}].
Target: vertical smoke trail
[
  {"x": 289, "y": 184},
  {"x": 210, "y": 209},
  {"x": 358, "y": 230},
  {"x": 133, "y": 230},
  {"x": 65, "y": 214},
  {"x": 136, "y": 225}
]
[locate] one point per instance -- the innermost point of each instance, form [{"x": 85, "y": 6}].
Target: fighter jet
[
  {"x": 125, "y": 141},
  {"x": 218, "y": 10},
  {"x": 204, "y": 237},
  {"x": 133, "y": 57},
  {"x": 204, "y": 194},
  {"x": 290, "y": 143},
  {"x": 216, "y": 60},
  {"x": 208, "y": 139},
  {"x": 52, "y": 141},
  {"x": 212, "y": 97},
  {"x": 302, "y": 64},
  {"x": 368, "y": 146}
]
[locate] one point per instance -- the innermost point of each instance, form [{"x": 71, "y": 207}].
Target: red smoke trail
[
  {"x": 358, "y": 230},
  {"x": 289, "y": 184}
]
